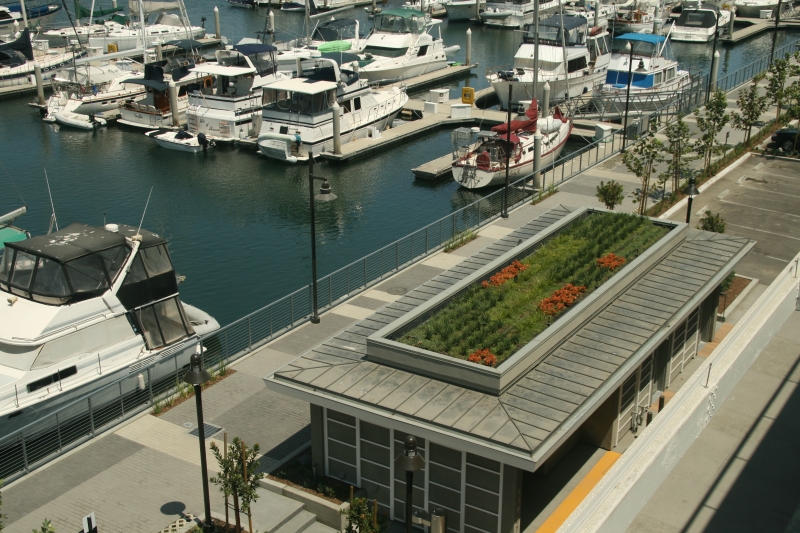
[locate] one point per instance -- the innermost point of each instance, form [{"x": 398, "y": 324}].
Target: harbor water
[{"x": 238, "y": 223}]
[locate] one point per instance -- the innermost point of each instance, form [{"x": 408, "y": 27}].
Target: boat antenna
[
  {"x": 666, "y": 39},
  {"x": 145, "y": 211},
  {"x": 53, "y": 219}
]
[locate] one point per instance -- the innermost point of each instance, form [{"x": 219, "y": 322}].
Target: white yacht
[
  {"x": 656, "y": 82},
  {"x": 753, "y": 8},
  {"x": 699, "y": 22},
  {"x": 17, "y": 59},
  {"x": 400, "y": 46},
  {"x": 91, "y": 89},
  {"x": 298, "y": 113},
  {"x": 514, "y": 14},
  {"x": 82, "y": 32},
  {"x": 83, "y": 307},
  {"x": 485, "y": 165},
  {"x": 458, "y": 10},
  {"x": 571, "y": 71},
  {"x": 225, "y": 110}
]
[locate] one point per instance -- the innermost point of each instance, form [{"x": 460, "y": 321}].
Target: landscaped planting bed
[{"x": 490, "y": 321}]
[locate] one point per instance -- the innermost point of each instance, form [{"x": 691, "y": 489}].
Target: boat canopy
[
  {"x": 302, "y": 85},
  {"x": 644, "y": 44},
  {"x": 262, "y": 56},
  {"x": 551, "y": 31},
  {"x": 400, "y": 21},
  {"x": 82, "y": 12},
  {"x": 336, "y": 30}
]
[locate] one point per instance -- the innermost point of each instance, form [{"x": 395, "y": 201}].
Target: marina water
[{"x": 238, "y": 224}]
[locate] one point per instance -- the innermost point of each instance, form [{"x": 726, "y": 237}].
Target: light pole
[
  {"x": 629, "y": 48},
  {"x": 775, "y": 32},
  {"x": 325, "y": 195},
  {"x": 410, "y": 461},
  {"x": 692, "y": 191},
  {"x": 711, "y": 75},
  {"x": 197, "y": 375}
]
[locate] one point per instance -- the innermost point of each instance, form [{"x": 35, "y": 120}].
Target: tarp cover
[
  {"x": 250, "y": 49},
  {"x": 72, "y": 242},
  {"x": 22, "y": 45},
  {"x": 521, "y": 125}
]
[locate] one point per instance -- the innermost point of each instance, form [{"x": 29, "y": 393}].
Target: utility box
[
  {"x": 431, "y": 108},
  {"x": 439, "y": 96},
  {"x": 765, "y": 14},
  {"x": 467, "y": 95},
  {"x": 461, "y": 111},
  {"x": 602, "y": 133}
]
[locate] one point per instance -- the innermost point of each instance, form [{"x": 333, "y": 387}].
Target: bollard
[
  {"x": 24, "y": 13},
  {"x": 661, "y": 403},
  {"x": 159, "y": 52},
  {"x": 298, "y": 66},
  {"x": 173, "y": 105},
  {"x": 545, "y": 99},
  {"x": 712, "y": 85},
  {"x": 37, "y": 72},
  {"x": 337, "y": 129},
  {"x": 469, "y": 46},
  {"x": 537, "y": 160},
  {"x": 217, "y": 29}
]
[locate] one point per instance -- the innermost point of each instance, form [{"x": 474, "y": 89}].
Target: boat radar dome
[{"x": 112, "y": 228}]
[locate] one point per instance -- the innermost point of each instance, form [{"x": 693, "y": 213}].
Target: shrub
[
  {"x": 483, "y": 357},
  {"x": 561, "y": 299},
  {"x": 610, "y": 261},
  {"x": 504, "y": 275}
]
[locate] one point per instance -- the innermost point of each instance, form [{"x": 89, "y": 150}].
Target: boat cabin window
[
  {"x": 357, "y": 103},
  {"x": 19, "y": 357},
  {"x": 423, "y": 50},
  {"x": 620, "y": 79},
  {"x": 163, "y": 323},
  {"x": 670, "y": 73},
  {"x": 151, "y": 277},
  {"x": 302, "y": 103},
  {"x": 54, "y": 378},
  {"x": 85, "y": 341},
  {"x": 396, "y": 23},
  {"x": 5, "y": 15},
  {"x": 659, "y": 76},
  {"x": 697, "y": 19},
  {"x": 385, "y": 51},
  {"x": 640, "y": 48},
  {"x": 574, "y": 65},
  {"x": 551, "y": 31}
]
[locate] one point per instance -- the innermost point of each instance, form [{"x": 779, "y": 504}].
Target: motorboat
[
  {"x": 400, "y": 46},
  {"x": 168, "y": 84},
  {"x": 92, "y": 89},
  {"x": 459, "y": 10},
  {"x": 512, "y": 150},
  {"x": 18, "y": 57},
  {"x": 753, "y": 8},
  {"x": 181, "y": 140},
  {"x": 9, "y": 232},
  {"x": 225, "y": 110},
  {"x": 8, "y": 18},
  {"x": 250, "y": 4},
  {"x": 67, "y": 117},
  {"x": 633, "y": 21},
  {"x": 84, "y": 307},
  {"x": 36, "y": 15},
  {"x": 433, "y": 8},
  {"x": 166, "y": 27},
  {"x": 699, "y": 22},
  {"x": 570, "y": 70},
  {"x": 514, "y": 14},
  {"x": 297, "y": 119},
  {"x": 656, "y": 81}
]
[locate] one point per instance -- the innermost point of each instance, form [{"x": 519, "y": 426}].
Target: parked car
[{"x": 786, "y": 139}]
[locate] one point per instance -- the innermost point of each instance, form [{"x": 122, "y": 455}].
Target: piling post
[
  {"x": 477, "y": 9},
  {"x": 655, "y": 26},
  {"x": 24, "y": 13},
  {"x": 173, "y": 105},
  {"x": 271, "y": 27},
  {"x": 298, "y": 66},
  {"x": 469, "y": 46},
  {"x": 337, "y": 129},
  {"x": 712, "y": 86},
  {"x": 730, "y": 25},
  {"x": 537, "y": 160},
  {"x": 217, "y": 30},
  {"x": 536, "y": 48},
  {"x": 596, "y": 13},
  {"x": 374, "y": 6},
  {"x": 37, "y": 72},
  {"x": 114, "y": 4},
  {"x": 159, "y": 52},
  {"x": 546, "y": 100}
]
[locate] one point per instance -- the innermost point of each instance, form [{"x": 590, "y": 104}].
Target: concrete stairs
[{"x": 273, "y": 513}]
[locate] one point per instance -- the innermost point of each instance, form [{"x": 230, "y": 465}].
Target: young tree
[
  {"x": 641, "y": 160},
  {"x": 47, "y": 527},
  {"x": 611, "y": 194},
  {"x": 712, "y": 222},
  {"x": 363, "y": 517},
  {"x": 679, "y": 147},
  {"x": 710, "y": 124},
  {"x": 238, "y": 476},
  {"x": 776, "y": 86},
  {"x": 752, "y": 106}
]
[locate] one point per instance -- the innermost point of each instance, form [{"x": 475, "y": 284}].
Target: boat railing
[{"x": 84, "y": 418}]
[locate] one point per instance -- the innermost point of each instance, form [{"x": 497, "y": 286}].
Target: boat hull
[
  {"x": 462, "y": 11},
  {"x": 402, "y": 72},
  {"x": 753, "y": 10},
  {"x": 559, "y": 89}
]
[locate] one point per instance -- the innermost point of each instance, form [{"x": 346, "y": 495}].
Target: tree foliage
[
  {"x": 779, "y": 72},
  {"x": 679, "y": 147},
  {"x": 642, "y": 160},
  {"x": 752, "y": 106},
  {"x": 46, "y": 527},
  {"x": 231, "y": 478},
  {"x": 712, "y": 222},
  {"x": 611, "y": 194},
  {"x": 710, "y": 122}
]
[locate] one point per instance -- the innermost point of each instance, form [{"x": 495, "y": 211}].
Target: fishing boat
[
  {"x": 656, "y": 79},
  {"x": 297, "y": 119},
  {"x": 572, "y": 59},
  {"x": 699, "y": 22},
  {"x": 511, "y": 149},
  {"x": 400, "y": 46},
  {"x": 84, "y": 307},
  {"x": 17, "y": 60},
  {"x": 181, "y": 140},
  {"x": 634, "y": 21},
  {"x": 514, "y": 14},
  {"x": 225, "y": 110},
  {"x": 459, "y": 10}
]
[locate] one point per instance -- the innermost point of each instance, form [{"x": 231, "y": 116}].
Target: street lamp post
[
  {"x": 197, "y": 375},
  {"x": 325, "y": 195},
  {"x": 775, "y": 33},
  {"x": 410, "y": 461},
  {"x": 712, "y": 74},
  {"x": 691, "y": 191},
  {"x": 629, "y": 47}
]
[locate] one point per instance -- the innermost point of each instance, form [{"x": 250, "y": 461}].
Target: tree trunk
[{"x": 236, "y": 513}]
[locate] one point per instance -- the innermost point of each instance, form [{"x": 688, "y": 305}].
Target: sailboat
[
  {"x": 17, "y": 60},
  {"x": 82, "y": 32}
]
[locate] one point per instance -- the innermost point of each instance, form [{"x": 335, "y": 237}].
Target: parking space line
[
  {"x": 778, "y": 259},
  {"x": 781, "y": 175},
  {"x": 773, "y": 192},
  {"x": 759, "y": 208},
  {"x": 763, "y": 231}
]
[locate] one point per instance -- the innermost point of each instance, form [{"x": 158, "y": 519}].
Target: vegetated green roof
[{"x": 504, "y": 318}]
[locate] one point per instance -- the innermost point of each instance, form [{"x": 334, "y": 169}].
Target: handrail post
[
  {"x": 291, "y": 309},
  {"x": 91, "y": 416},
  {"x": 150, "y": 380},
  {"x": 249, "y": 334},
  {"x": 24, "y": 452},
  {"x": 330, "y": 292},
  {"x": 58, "y": 431},
  {"x": 426, "y": 239},
  {"x": 121, "y": 401}
]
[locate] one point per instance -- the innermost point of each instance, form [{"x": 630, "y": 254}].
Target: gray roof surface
[{"x": 541, "y": 400}]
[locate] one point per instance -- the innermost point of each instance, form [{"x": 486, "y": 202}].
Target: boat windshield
[
  {"x": 552, "y": 31},
  {"x": 697, "y": 19},
  {"x": 296, "y": 102},
  {"x": 383, "y": 51},
  {"x": 640, "y": 48},
  {"x": 399, "y": 23}
]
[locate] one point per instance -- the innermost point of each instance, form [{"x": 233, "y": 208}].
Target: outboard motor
[{"x": 202, "y": 141}]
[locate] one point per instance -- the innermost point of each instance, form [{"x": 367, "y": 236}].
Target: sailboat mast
[
  {"x": 535, "y": 49},
  {"x": 308, "y": 23},
  {"x": 564, "y": 48}
]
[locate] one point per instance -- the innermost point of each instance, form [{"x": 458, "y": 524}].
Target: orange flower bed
[
  {"x": 561, "y": 299},
  {"x": 611, "y": 262},
  {"x": 504, "y": 275},
  {"x": 483, "y": 357}
]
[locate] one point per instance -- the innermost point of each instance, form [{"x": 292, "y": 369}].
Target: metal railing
[
  {"x": 82, "y": 419},
  {"x": 751, "y": 70}
]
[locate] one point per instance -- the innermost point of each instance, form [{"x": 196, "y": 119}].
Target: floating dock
[{"x": 750, "y": 27}]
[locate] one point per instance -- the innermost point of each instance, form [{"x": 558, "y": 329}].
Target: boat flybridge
[
  {"x": 656, "y": 79},
  {"x": 400, "y": 46},
  {"x": 514, "y": 14},
  {"x": 226, "y": 109},
  {"x": 571, "y": 70},
  {"x": 83, "y": 307},
  {"x": 297, "y": 119},
  {"x": 699, "y": 22}
]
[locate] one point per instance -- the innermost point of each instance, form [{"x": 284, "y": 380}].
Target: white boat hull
[
  {"x": 385, "y": 73},
  {"x": 753, "y": 9},
  {"x": 76, "y": 120},
  {"x": 462, "y": 10},
  {"x": 559, "y": 89}
]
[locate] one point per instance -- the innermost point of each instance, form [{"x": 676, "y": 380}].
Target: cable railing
[{"x": 150, "y": 386}]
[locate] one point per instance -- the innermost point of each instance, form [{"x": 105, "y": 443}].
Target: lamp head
[
  {"x": 409, "y": 460},
  {"x": 691, "y": 189},
  {"x": 641, "y": 66},
  {"x": 325, "y": 193},
  {"x": 196, "y": 375}
]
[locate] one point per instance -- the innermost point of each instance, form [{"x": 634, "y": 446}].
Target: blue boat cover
[
  {"x": 642, "y": 37},
  {"x": 250, "y": 49}
]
